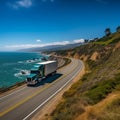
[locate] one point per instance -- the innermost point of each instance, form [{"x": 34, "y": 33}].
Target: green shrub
[
  {"x": 85, "y": 77},
  {"x": 104, "y": 39},
  {"x": 73, "y": 90},
  {"x": 115, "y": 41},
  {"x": 102, "y": 89},
  {"x": 68, "y": 110}
]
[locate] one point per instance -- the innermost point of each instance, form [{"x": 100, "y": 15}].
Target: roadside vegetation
[
  {"x": 86, "y": 99},
  {"x": 111, "y": 111},
  {"x": 102, "y": 89}
]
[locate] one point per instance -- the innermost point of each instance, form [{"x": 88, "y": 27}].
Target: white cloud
[
  {"x": 21, "y": 3},
  {"x": 24, "y": 46},
  {"x": 24, "y": 3},
  {"x": 79, "y": 41},
  {"x": 38, "y": 40}
]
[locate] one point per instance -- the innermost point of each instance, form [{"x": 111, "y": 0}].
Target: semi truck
[{"x": 40, "y": 71}]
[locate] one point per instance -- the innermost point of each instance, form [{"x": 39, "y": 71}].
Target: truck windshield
[
  {"x": 31, "y": 77},
  {"x": 34, "y": 72},
  {"x": 28, "y": 79}
]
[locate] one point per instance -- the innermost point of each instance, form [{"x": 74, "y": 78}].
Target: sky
[{"x": 38, "y": 23}]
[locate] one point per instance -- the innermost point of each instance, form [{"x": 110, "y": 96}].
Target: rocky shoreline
[{"x": 61, "y": 62}]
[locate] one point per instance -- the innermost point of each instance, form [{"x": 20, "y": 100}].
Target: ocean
[{"x": 15, "y": 66}]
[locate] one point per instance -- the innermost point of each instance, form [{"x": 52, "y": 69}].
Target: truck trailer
[{"x": 40, "y": 71}]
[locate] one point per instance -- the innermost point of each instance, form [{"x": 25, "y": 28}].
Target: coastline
[
  {"x": 15, "y": 67},
  {"x": 3, "y": 90},
  {"x": 18, "y": 84}
]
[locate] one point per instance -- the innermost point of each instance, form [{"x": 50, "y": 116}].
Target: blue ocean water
[{"x": 13, "y": 63}]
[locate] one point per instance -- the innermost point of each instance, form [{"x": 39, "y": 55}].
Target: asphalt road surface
[{"x": 26, "y": 101}]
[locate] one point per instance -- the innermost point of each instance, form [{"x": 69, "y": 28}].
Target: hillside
[
  {"x": 51, "y": 47},
  {"x": 86, "y": 99}
]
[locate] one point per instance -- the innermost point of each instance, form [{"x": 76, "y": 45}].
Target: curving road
[{"x": 25, "y": 102}]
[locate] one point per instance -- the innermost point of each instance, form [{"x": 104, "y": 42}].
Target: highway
[{"x": 25, "y": 102}]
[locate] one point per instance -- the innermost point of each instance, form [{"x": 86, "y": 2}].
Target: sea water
[{"x": 15, "y": 66}]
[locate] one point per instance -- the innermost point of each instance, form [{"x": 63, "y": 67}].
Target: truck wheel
[
  {"x": 54, "y": 73},
  {"x": 36, "y": 81}
]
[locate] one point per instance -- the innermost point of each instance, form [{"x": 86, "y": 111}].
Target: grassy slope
[
  {"x": 107, "y": 109},
  {"x": 113, "y": 38},
  {"x": 102, "y": 78}
]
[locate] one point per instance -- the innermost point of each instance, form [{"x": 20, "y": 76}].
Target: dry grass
[{"x": 107, "y": 109}]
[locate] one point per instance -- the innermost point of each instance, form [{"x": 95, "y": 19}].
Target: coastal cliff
[{"x": 95, "y": 96}]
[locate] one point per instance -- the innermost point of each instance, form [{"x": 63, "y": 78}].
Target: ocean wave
[
  {"x": 32, "y": 61},
  {"x": 22, "y": 73}
]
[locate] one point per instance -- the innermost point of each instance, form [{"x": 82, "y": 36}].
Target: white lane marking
[
  {"x": 12, "y": 93},
  {"x": 51, "y": 96}
]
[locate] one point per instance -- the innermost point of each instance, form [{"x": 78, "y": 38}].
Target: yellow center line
[{"x": 28, "y": 98}]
